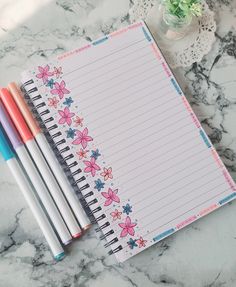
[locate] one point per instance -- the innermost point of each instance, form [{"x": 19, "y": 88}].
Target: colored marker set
[{"x": 49, "y": 194}]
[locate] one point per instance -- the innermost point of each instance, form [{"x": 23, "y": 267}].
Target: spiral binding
[{"x": 69, "y": 164}]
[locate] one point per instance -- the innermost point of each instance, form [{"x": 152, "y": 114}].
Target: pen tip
[
  {"x": 78, "y": 235},
  {"x": 60, "y": 256},
  {"x": 67, "y": 242},
  {"x": 87, "y": 227}
]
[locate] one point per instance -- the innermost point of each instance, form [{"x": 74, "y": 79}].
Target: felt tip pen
[
  {"x": 34, "y": 177},
  {"x": 30, "y": 197},
  {"x": 40, "y": 162},
  {"x": 51, "y": 159}
]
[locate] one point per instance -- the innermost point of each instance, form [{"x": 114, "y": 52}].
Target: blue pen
[{"x": 30, "y": 197}]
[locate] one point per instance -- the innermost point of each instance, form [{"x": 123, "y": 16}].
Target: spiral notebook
[{"x": 116, "y": 117}]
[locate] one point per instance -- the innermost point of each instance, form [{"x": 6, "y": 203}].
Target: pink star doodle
[
  {"x": 127, "y": 227},
  {"x": 82, "y": 153},
  {"x": 78, "y": 121},
  {"x": 107, "y": 173},
  {"x": 116, "y": 214},
  {"x": 66, "y": 116},
  {"x": 52, "y": 102},
  {"x": 91, "y": 166},
  {"x": 57, "y": 72},
  {"x": 44, "y": 73},
  {"x": 82, "y": 138},
  {"x": 141, "y": 242},
  {"x": 60, "y": 89},
  {"x": 110, "y": 196}
]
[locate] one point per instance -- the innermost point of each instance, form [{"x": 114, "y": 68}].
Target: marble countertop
[{"x": 201, "y": 255}]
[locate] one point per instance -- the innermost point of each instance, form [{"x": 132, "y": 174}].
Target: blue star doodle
[
  {"x": 50, "y": 83},
  {"x": 71, "y": 133},
  {"x": 95, "y": 154},
  {"x": 68, "y": 102},
  {"x": 132, "y": 243},
  {"x": 99, "y": 185},
  {"x": 127, "y": 209}
]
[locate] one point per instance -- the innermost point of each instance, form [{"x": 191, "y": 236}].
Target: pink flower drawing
[
  {"x": 110, "y": 196},
  {"x": 116, "y": 214},
  {"x": 141, "y": 242},
  {"x": 107, "y": 173},
  {"x": 91, "y": 166},
  {"x": 82, "y": 138},
  {"x": 127, "y": 227},
  {"x": 57, "y": 72},
  {"x": 66, "y": 116},
  {"x": 60, "y": 89},
  {"x": 82, "y": 153},
  {"x": 78, "y": 121},
  {"x": 44, "y": 73},
  {"x": 52, "y": 102}
]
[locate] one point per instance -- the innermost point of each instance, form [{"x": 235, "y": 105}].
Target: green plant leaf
[
  {"x": 196, "y": 9},
  {"x": 183, "y": 8}
]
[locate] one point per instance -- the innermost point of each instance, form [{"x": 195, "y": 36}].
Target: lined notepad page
[{"x": 164, "y": 172}]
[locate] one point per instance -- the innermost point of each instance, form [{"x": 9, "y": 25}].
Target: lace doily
[{"x": 184, "y": 52}]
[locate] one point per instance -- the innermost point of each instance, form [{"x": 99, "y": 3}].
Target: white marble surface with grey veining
[{"x": 201, "y": 255}]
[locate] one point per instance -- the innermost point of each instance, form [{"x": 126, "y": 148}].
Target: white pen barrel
[
  {"x": 44, "y": 195},
  {"x": 54, "y": 188},
  {"x": 63, "y": 181},
  {"x": 36, "y": 209}
]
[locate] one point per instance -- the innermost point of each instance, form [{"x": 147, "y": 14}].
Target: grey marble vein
[{"x": 201, "y": 255}]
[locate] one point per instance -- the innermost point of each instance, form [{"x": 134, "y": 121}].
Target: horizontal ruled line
[
  {"x": 113, "y": 86},
  {"x": 106, "y": 56},
  {"x": 151, "y": 151},
  {"x": 137, "y": 115},
  {"x": 131, "y": 119},
  {"x": 182, "y": 196},
  {"x": 189, "y": 209},
  {"x": 120, "y": 99},
  {"x": 169, "y": 185},
  {"x": 98, "y": 69},
  {"x": 123, "y": 90}
]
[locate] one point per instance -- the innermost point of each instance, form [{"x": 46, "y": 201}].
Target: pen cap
[
  {"x": 18, "y": 97},
  {"x": 9, "y": 127},
  {"x": 15, "y": 115},
  {"x": 5, "y": 148}
]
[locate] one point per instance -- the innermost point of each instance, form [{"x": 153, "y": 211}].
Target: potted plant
[{"x": 177, "y": 16}]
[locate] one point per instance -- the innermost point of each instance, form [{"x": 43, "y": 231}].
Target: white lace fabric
[{"x": 192, "y": 47}]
